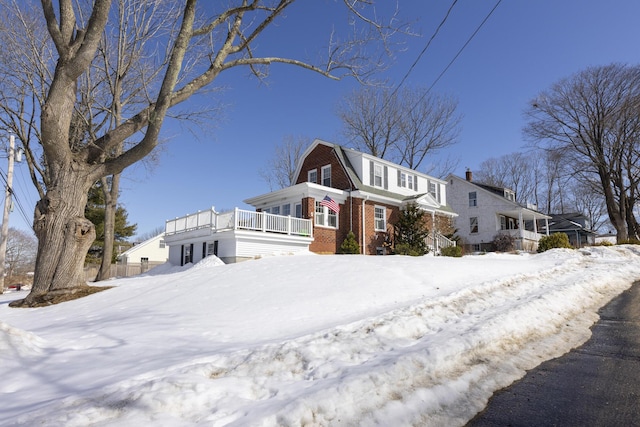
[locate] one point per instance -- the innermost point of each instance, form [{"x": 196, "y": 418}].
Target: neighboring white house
[
  {"x": 147, "y": 254},
  {"x": 485, "y": 211}
]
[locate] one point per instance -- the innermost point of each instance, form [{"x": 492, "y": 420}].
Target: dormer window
[
  {"x": 377, "y": 175},
  {"x": 312, "y": 176},
  {"x": 326, "y": 176},
  {"x": 406, "y": 180},
  {"x": 433, "y": 190}
]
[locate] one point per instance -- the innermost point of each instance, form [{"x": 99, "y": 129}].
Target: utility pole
[{"x": 4, "y": 233}]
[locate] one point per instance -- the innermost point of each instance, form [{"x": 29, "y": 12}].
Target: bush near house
[
  {"x": 555, "y": 240},
  {"x": 452, "y": 251},
  {"x": 349, "y": 245},
  {"x": 503, "y": 242}
]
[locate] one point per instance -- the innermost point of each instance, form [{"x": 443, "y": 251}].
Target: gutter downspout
[{"x": 363, "y": 223}]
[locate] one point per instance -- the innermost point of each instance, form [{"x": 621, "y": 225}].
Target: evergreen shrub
[
  {"x": 555, "y": 240},
  {"x": 452, "y": 251},
  {"x": 349, "y": 245}
]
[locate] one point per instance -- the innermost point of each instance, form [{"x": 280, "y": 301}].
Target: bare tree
[
  {"x": 587, "y": 199},
  {"x": 371, "y": 121},
  {"x": 516, "y": 171},
  {"x": 591, "y": 117},
  {"x": 403, "y": 126},
  {"x": 428, "y": 123},
  {"x": 21, "y": 252},
  {"x": 73, "y": 160},
  {"x": 150, "y": 234},
  {"x": 281, "y": 168}
]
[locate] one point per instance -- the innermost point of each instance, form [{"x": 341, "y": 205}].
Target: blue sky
[{"x": 523, "y": 48}]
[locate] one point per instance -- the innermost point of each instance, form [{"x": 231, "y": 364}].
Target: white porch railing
[
  {"x": 525, "y": 234},
  {"x": 239, "y": 219},
  {"x": 436, "y": 241}
]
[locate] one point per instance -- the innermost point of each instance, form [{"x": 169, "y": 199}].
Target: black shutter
[
  {"x": 371, "y": 183},
  {"x": 399, "y": 178},
  {"x": 386, "y": 178}
]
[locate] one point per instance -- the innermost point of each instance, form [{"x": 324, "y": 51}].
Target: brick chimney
[{"x": 469, "y": 175}]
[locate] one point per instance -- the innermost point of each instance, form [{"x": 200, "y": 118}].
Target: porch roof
[{"x": 527, "y": 214}]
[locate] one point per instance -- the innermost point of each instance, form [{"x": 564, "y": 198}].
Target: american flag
[{"x": 330, "y": 203}]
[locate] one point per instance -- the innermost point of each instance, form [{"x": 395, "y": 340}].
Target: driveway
[{"x": 597, "y": 384}]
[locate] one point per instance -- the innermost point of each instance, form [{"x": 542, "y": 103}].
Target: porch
[
  {"x": 239, "y": 219},
  {"x": 235, "y": 235},
  {"x": 522, "y": 225}
]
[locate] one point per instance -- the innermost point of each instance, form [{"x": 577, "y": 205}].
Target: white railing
[
  {"x": 525, "y": 234},
  {"x": 240, "y": 219},
  {"x": 437, "y": 241}
]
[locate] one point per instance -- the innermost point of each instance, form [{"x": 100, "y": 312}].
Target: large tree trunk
[
  {"x": 615, "y": 209},
  {"x": 64, "y": 237}
]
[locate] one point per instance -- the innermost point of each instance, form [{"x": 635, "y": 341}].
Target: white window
[
  {"x": 162, "y": 244},
  {"x": 433, "y": 190},
  {"x": 325, "y": 216},
  {"x": 380, "y": 218},
  {"x": 312, "y": 176},
  {"x": 298, "y": 210},
  {"x": 473, "y": 222},
  {"x": 286, "y": 209},
  {"x": 503, "y": 222},
  {"x": 407, "y": 181},
  {"x": 377, "y": 175},
  {"x": 473, "y": 199},
  {"x": 326, "y": 175},
  {"x": 275, "y": 210}
]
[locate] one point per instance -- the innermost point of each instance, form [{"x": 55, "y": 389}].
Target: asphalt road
[{"x": 597, "y": 384}]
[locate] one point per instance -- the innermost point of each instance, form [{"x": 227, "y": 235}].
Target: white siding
[{"x": 149, "y": 249}]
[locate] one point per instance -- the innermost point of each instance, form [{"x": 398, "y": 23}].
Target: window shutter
[
  {"x": 415, "y": 182},
  {"x": 371, "y": 173},
  {"x": 399, "y": 178},
  {"x": 386, "y": 178}
]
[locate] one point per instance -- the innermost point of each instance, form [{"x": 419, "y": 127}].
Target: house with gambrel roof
[
  {"x": 369, "y": 191},
  {"x": 336, "y": 190}
]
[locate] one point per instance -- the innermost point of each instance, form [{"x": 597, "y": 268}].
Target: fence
[{"x": 119, "y": 270}]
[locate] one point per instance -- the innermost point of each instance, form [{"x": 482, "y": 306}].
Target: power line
[
  {"x": 433, "y": 36},
  {"x": 465, "y": 44},
  {"x": 16, "y": 200},
  {"x": 471, "y": 37}
]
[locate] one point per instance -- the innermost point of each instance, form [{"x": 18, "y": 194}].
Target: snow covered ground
[{"x": 303, "y": 340}]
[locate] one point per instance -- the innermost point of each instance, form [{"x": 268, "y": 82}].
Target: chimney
[{"x": 469, "y": 175}]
